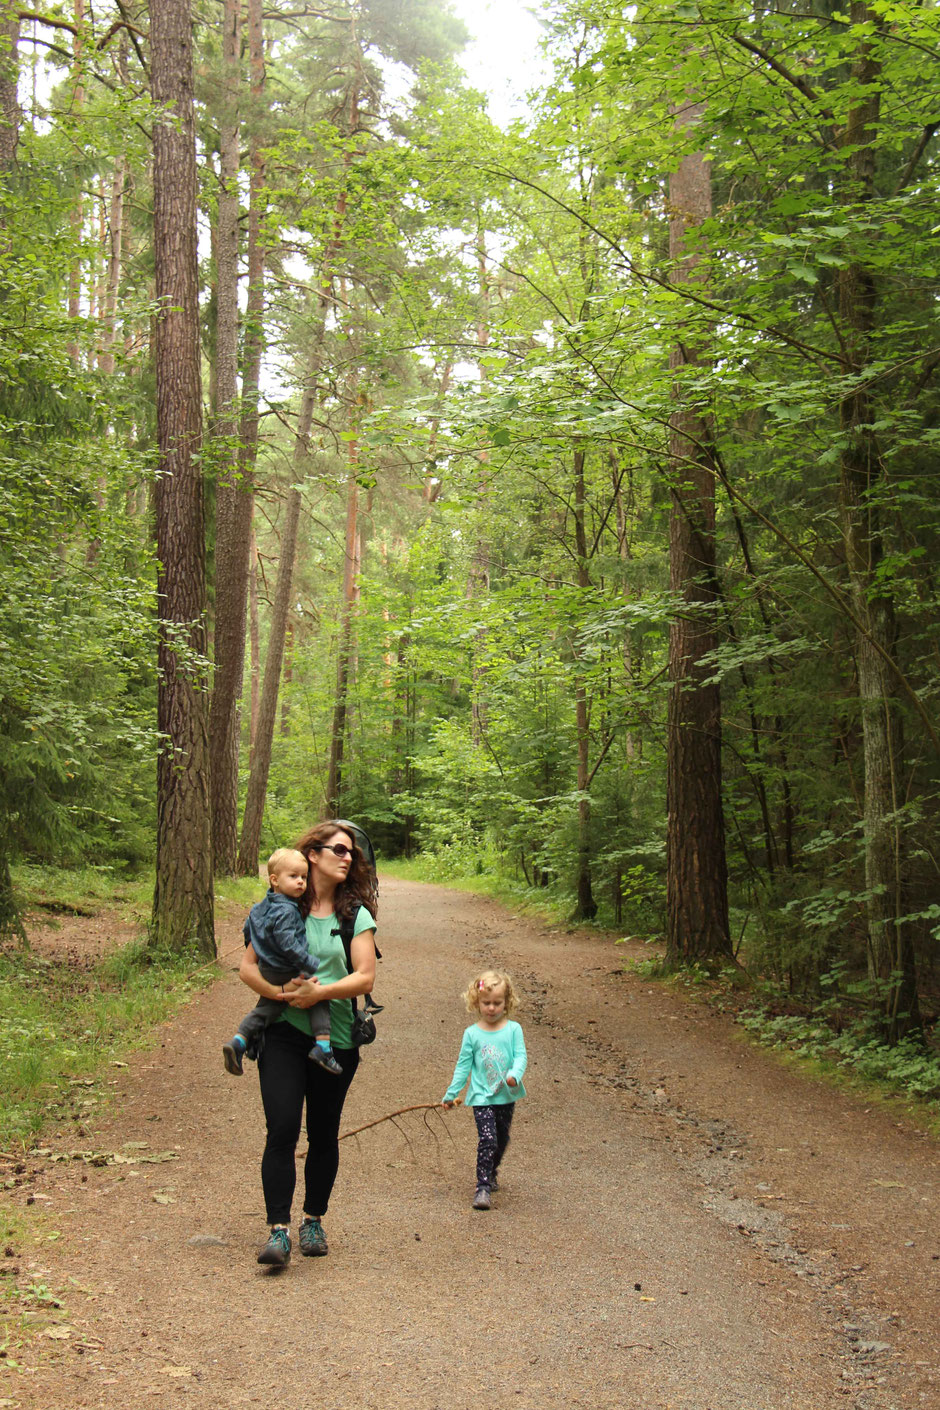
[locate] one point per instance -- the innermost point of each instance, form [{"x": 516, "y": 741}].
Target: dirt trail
[{"x": 684, "y": 1225}]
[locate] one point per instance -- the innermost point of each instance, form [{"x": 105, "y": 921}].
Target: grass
[
  {"x": 60, "y": 1033},
  {"x": 58, "y": 1037},
  {"x": 83, "y": 890},
  {"x": 63, "y": 1031}
]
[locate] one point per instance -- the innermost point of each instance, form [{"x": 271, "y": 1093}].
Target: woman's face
[{"x": 325, "y": 864}]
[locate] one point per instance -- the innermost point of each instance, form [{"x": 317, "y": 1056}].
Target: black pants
[
  {"x": 493, "y": 1128},
  {"x": 288, "y": 1078}
]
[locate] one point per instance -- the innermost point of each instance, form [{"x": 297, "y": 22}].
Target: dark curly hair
[{"x": 361, "y": 887}]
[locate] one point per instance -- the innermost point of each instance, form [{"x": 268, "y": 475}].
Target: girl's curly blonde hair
[{"x": 490, "y": 979}]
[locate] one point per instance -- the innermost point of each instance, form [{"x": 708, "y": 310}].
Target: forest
[{"x": 559, "y": 499}]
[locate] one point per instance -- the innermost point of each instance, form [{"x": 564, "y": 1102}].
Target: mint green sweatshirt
[{"x": 488, "y": 1057}]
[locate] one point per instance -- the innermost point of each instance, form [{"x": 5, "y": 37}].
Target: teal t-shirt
[
  {"x": 487, "y": 1058},
  {"x": 328, "y": 949}
]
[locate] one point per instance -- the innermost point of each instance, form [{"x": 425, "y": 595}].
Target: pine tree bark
[
  {"x": 697, "y": 882},
  {"x": 254, "y": 343},
  {"x": 9, "y": 81},
  {"x": 77, "y": 215},
  {"x": 891, "y": 961},
  {"x": 585, "y": 906},
  {"x": 234, "y": 492},
  {"x": 183, "y": 900},
  {"x": 351, "y": 564}
]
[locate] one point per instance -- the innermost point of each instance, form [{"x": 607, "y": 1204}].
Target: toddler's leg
[
  {"x": 248, "y": 1033},
  {"x": 322, "y": 1053},
  {"x": 502, "y": 1116},
  {"x": 487, "y": 1146},
  {"x": 320, "y": 1020}
]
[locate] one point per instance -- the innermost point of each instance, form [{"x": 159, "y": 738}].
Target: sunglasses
[{"x": 340, "y": 850}]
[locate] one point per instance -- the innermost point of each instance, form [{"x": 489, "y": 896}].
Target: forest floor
[{"x": 684, "y": 1223}]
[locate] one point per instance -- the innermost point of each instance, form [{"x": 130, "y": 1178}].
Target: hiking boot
[
  {"x": 232, "y": 1054},
  {"x": 312, "y": 1239},
  {"x": 325, "y": 1059},
  {"x": 276, "y": 1252},
  {"x": 481, "y": 1200}
]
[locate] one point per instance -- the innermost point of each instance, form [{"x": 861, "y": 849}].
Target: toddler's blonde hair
[
  {"x": 284, "y": 857},
  {"x": 490, "y": 979}
]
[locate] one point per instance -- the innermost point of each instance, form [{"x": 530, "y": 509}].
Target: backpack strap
[{"x": 345, "y": 930}]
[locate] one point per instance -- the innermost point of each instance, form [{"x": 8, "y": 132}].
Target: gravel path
[{"x": 683, "y": 1225}]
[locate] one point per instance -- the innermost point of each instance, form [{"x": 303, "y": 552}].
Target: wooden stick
[{"x": 422, "y": 1106}]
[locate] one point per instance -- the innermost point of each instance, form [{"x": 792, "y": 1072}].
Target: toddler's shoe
[
  {"x": 232, "y": 1054},
  {"x": 481, "y": 1200},
  {"x": 371, "y": 1006},
  {"x": 325, "y": 1059}
]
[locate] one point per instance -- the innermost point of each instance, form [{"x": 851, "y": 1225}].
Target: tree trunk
[
  {"x": 697, "y": 881},
  {"x": 254, "y": 639},
  {"x": 9, "y": 81},
  {"x": 254, "y": 343},
  {"x": 890, "y": 947},
  {"x": 234, "y": 492},
  {"x": 258, "y": 780},
  {"x": 478, "y": 580},
  {"x": 250, "y": 844},
  {"x": 585, "y": 906},
  {"x": 334, "y": 782},
  {"x": 113, "y": 277},
  {"x": 77, "y": 216},
  {"x": 183, "y": 901}
]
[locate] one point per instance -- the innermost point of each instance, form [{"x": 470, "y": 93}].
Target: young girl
[{"x": 493, "y": 1056}]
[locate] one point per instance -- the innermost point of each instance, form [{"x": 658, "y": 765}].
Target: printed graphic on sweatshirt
[{"x": 493, "y": 1059}]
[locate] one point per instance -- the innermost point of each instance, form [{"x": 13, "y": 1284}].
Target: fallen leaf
[
  {"x": 58, "y": 1333},
  {"x": 176, "y": 1370},
  {"x": 164, "y": 1199},
  {"x": 889, "y": 1184},
  {"x": 647, "y": 1299}
]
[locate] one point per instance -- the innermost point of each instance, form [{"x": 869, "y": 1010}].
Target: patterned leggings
[{"x": 493, "y": 1127}]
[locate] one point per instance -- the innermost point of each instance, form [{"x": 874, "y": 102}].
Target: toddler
[
  {"x": 275, "y": 929},
  {"x": 493, "y": 1057}
]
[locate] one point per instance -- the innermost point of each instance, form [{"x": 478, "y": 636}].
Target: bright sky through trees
[{"x": 502, "y": 58}]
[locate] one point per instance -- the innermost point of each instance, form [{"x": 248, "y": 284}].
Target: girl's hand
[
  {"x": 448, "y": 1105},
  {"x": 303, "y": 993},
  {"x": 511, "y": 1082}
]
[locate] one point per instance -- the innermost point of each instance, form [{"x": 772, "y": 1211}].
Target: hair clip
[{"x": 480, "y": 984}]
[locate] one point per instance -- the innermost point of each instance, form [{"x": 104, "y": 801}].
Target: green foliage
[
  {"x": 56, "y": 1040},
  {"x": 907, "y": 1068}
]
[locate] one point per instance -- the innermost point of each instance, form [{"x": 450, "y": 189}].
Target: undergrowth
[
  {"x": 909, "y": 1069},
  {"x": 853, "y": 1049},
  {"x": 60, "y": 1031}
]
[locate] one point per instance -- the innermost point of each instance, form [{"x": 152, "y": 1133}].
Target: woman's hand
[{"x": 303, "y": 993}]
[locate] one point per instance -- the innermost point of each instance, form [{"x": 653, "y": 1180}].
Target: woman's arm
[
  {"x": 249, "y": 973},
  {"x": 304, "y": 993}
]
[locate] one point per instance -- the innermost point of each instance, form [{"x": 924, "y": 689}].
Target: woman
[{"x": 340, "y": 882}]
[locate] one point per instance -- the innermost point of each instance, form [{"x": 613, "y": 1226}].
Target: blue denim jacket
[{"x": 275, "y": 930}]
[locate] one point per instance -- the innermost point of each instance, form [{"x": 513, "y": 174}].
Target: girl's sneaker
[
  {"x": 312, "y": 1239},
  {"x": 481, "y": 1200},
  {"x": 276, "y": 1252}
]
